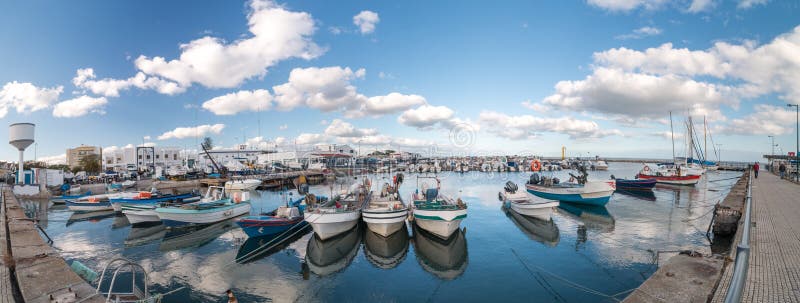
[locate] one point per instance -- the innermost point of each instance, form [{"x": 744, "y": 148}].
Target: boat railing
[
  {"x": 125, "y": 264},
  {"x": 736, "y": 288}
]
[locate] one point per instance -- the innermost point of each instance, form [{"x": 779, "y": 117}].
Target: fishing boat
[
  {"x": 280, "y": 220},
  {"x": 600, "y": 165},
  {"x": 520, "y": 202},
  {"x": 255, "y": 248},
  {"x": 242, "y": 184},
  {"x": 445, "y": 259},
  {"x": 579, "y": 190},
  {"x": 386, "y": 252},
  {"x": 147, "y": 198},
  {"x": 668, "y": 176},
  {"x": 89, "y": 205},
  {"x": 634, "y": 184},
  {"x": 340, "y": 214},
  {"x": 140, "y": 213},
  {"x": 437, "y": 213},
  {"x": 63, "y": 198},
  {"x": 325, "y": 257},
  {"x": 215, "y": 206},
  {"x": 386, "y": 213}
]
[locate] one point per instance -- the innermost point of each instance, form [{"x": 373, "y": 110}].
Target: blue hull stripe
[{"x": 574, "y": 198}]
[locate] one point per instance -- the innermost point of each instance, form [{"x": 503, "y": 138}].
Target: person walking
[
  {"x": 755, "y": 169},
  {"x": 782, "y": 169}
]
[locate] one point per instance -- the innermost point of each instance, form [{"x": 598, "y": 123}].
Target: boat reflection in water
[
  {"x": 95, "y": 216},
  {"x": 143, "y": 234},
  {"x": 386, "y": 253},
  {"x": 195, "y": 236},
  {"x": 256, "y": 248},
  {"x": 593, "y": 217},
  {"x": 333, "y": 254},
  {"x": 542, "y": 231},
  {"x": 120, "y": 221},
  {"x": 445, "y": 259},
  {"x": 647, "y": 195}
]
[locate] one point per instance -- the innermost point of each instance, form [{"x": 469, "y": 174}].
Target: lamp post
[
  {"x": 772, "y": 154},
  {"x": 797, "y": 139}
]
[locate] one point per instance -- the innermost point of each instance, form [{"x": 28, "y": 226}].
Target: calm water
[{"x": 583, "y": 254}]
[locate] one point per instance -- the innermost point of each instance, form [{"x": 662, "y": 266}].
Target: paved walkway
[{"x": 774, "y": 270}]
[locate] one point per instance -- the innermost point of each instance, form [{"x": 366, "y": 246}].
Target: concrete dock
[{"x": 773, "y": 274}]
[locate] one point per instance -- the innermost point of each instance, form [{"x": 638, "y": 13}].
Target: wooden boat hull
[
  {"x": 441, "y": 223},
  {"x": 385, "y": 223},
  {"x": 174, "y": 217},
  {"x": 536, "y": 210},
  {"x": 592, "y": 193},
  {"x": 329, "y": 224},
  {"x": 674, "y": 180},
  {"x": 637, "y": 184}
]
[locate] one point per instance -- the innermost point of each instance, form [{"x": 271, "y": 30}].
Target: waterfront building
[
  {"x": 143, "y": 158},
  {"x": 75, "y": 155}
]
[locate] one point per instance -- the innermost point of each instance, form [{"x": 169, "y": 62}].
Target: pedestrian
[
  {"x": 782, "y": 169},
  {"x": 755, "y": 169}
]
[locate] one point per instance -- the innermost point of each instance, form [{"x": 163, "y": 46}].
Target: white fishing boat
[
  {"x": 215, "y": 206},
  {"x": 386, "y": 213},
  {"x": 434, "y": 212},
  {"x": 339, "y": 214},
  {"x": 140, "y": 213},
  {"x": 521, "y": 202},
  {"x": 600, "y": 165},
  {"x": 242, "y": 184}
]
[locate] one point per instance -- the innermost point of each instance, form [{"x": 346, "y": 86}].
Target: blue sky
[{"x": 467, "y": 77}]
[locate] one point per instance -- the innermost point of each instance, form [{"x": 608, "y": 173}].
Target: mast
[
  {"x": 672, "y": 132},
  {"x": 690, "y": 145},
  {"x": 705, "y": 140}
]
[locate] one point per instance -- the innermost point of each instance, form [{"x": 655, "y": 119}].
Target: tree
[
  {"x": 91, "y": 163},
  {"x": 63, "y": 167},
  {"x": 208, "y": 144}
]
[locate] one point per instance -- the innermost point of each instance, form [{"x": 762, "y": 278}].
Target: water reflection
[
  {"x": 95, "y": 216},
  {"x": 143, "y": 234},
  {"x": 647, "y": 195},
  {"x": 593, "y": 217},
  {"x": 334, "y": 254},
  {"x": 386, "y": 253},
  {"x": 120, "y": 221},
  {"x": 445, "y": 259},
  {"x": 256, "y": 248},
  {"x": 542, "y": 231},
  {"x": 195, "y": 236}
]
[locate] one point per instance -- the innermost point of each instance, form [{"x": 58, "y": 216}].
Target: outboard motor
[
  {"x": 302, "y": 189},
  {"x": 556, "y": 180},
  {"x": 534, "y": 179},
  {"x": 511, "y": 187}
]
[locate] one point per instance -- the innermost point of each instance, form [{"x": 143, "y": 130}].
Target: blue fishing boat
[
  {"x": 215, "y": 206},
  {"x": 149, "y": 199},
  {"x": 636, "y": 184},
  {"x": 63, "y": 198},
  {"x": 283, "y": 219},
  {"x": 581, "y": 192},
  {"x": 256, "y": 248}
]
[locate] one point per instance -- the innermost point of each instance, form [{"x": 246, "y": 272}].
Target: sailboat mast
[
  {"x": 672, "y": 132},
  {"x": 690, "y": 147},
  {"x": 705, "y": 139}
]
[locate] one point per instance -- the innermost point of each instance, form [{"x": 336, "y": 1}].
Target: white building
[
  {"x": 143, "y": 158},
  {"x": 229, "y": 157}
]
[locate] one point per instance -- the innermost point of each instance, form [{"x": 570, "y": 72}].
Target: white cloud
[
  {"x": 701, "y": 6},
  {"x": 613, "y": 91},
  {"x": 307, "y": 138},
  {"x": 641, "y": 33},
  {"x": 527, "y": 126},
  {"x": 54, "y": 160},
  {"x": 758, "y": 70},
  {"x": 366, "y": 20},
  {"x": 667, "y": 135},
  {"x": 745, "y": 4},
  {"x": 276, "y": 34},
  {"x": 192, "y": 132},
  {"x": 425, "y": 116},
  {"x": 339, "y": 128},
  {"x": 80, "y": 106},
  {"x": 85, "y": 78},
  {"x": 391, "y": 103},
  {"x": 326, "y": 89},
  {"x": 626, "y": 5},
  {"x": 26, "y": 98},
  {"x": 765, "y": 120},
  {"x": 283, "y": 127},
  {"x": 146, "y": 137},
  {"x": 535, "y": 106},
  {"x": 244, "y": 100}
]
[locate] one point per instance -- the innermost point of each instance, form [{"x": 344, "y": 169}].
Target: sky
[{"x": 598, "y": 77}]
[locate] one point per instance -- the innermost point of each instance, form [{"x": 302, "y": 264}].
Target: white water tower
[{"x": 20, "y": 135}]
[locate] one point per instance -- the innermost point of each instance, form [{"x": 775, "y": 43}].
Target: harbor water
[{"x": 584, "y": 254}]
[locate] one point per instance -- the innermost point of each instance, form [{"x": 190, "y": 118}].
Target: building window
[
  {"x": 148, "y": 157},
  {"x": 140, "y": 157},
  {"x": 174, "y": 156},
  {"x": 157, "y": 156}
]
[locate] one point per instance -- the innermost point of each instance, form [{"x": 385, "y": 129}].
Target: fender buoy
[
  {"x": 646, "y": 169},
  {"x": 536, "y": 165}
]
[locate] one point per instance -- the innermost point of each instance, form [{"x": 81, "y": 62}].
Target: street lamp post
[{"x": 797, "y": 140}]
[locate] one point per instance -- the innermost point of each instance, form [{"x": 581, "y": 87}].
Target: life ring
[
  {"x": 646, "y": 169},
  {"x": 536, "y": 165}
]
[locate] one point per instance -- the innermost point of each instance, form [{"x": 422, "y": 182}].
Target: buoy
[{"x": 536, "y": 165}]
